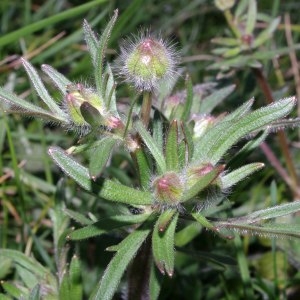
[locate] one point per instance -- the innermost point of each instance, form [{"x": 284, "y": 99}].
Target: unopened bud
[
  {"x": 224, "y": 4},
  {"x": 168, "y": 188},
  {"x": 195, "y": 173},
  {"x": 146, "y": 61}
]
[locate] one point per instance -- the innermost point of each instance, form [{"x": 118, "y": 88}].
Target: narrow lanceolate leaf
[
  {"x": 28, "y": 263},
  {"x": 268, "y": 213},
  {"x": 171, "y": 150},
  {"x": 101, "y": 152},
  {"x": 57, "y": 78},
  {"x": 163, "y": 246},
  {"x": 208, "y": 139},
  {"x": 201, "y": 183},
  {"x": 252, "y": 122},
  {"x": 152, "y": 147},
  {"x": 239, "y": 174},
  {"x": 19, "y": 105},
  {"x": 42, "y": 91},
  {"x": 91, "y": 40},
  {"x": 213, "y": 100},
  {"x": 78, "y": 217},
  {"x": 12, "y": 290},
  {"x": 107, "y": 189},
  {"x": 112, "y": 275},
  {"x": 143, "y": 167},
  {"x": 267, "y": 33},
  {"x": 76, "y": 288},
  {"x": 189, "y": 99},
  {"x": 106, "y": 225},
  {"x": 100, "y": 54},
  {"x": 225, "y": 41},
  {"x": 251, "y": 17},
  {"x": 282, "y": 230}
]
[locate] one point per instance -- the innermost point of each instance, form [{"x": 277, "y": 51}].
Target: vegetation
[{"x": 138, "y": 165}]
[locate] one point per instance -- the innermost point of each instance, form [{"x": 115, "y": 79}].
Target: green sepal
[
  {"x": 90, "y": 114},
  {"x": 101, "y": 151},
  {"x": 163, "y": 245},
  {"x": 106, "y": 225},
  {"x": 171, "y": 149},
  {"x": 127, "y": 249},
  {"x": 201, "y": 183},
  {"x": 107, "y": 189}
]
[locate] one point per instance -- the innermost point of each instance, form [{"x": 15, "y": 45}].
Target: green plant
[{"x": 179, "y": 153}]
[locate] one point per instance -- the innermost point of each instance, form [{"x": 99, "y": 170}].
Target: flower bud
[
  {"x": 147, "y": 61},
  {"x": 195, "y": 173},
  {"x": 202, "y": 124},
  {"x": 224, "y": 4},
  {"x": 168, "y": 189}
]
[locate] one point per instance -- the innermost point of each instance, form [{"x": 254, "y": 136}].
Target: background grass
[{"x": 50, "y": 32}]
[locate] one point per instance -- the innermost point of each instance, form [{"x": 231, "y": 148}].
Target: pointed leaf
[
  {"x": 91, "y": 40},
  {"x": 106, "y": 225},
  {"x": 237, "y": 175},
  {"x": 171, "y": 151},
  {"x": 78, "y": 217},
  {"x": 57, "y": 78},
  {"x": 117, "y": 266},
  {"x": 110, "y": 92},
  {"x": 12, "y": 290},
  {"x": 251, "y": 17},
  {"x": 23, "y": 107},
  {"x": 213, "y": 133},
  {"x": 41, "y": 90},
  {"x": 143, "y": 167},
  {"x": 107, "y": 189},
  {"x": 189, "y": 99},
  {"x": 163, "y": 246},
  {"x": 76, "y": 288},
  {"x": 35, "y": 293},
  {"x": 225, "y": 41},
  {"x": 267, "y": 33},
  {"x": 268, "y": 213},
  {"x": 100, "y": 54},
  {"x": 101, "y": 152},
  {"x": 211, "y": 101},
  {"x": 152, "y": 146},
  {"x": 267, "y": 230},
  {"x": 252, "y": 122}
]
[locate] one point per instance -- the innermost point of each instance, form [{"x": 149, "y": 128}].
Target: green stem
[
  {"x": 262, "y": 82},
  {"x": 146, "y": 108}
]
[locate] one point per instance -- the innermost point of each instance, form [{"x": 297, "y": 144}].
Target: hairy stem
[
  {"x": 283, "y": 143},
  {"x": 146, "y": 108}
]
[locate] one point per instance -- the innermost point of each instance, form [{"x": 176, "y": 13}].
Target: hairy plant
[{"x": 179, "y": 152}]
